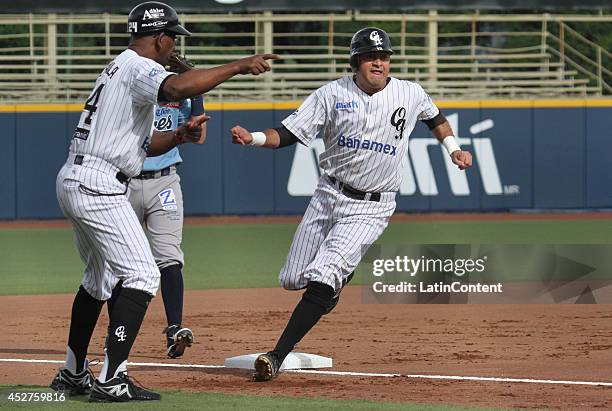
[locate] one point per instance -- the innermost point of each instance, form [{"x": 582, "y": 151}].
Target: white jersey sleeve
[
  {"x": 147, "y": 79},
  {"x": 427, "y": 109},
  {"x": 308, "y": 120},
  {"x": 115, "y": 125}
]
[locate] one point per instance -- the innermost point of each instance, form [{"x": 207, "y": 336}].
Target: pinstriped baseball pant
[
  {"x": 333, "y": 235},
  {"x": 109, "y": 237}
]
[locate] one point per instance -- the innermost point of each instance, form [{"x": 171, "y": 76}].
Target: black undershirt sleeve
[
  {"x": 436, "y": 121},
  {"x": 161, "y": 96},
  {"x": 287, "y": 138}
]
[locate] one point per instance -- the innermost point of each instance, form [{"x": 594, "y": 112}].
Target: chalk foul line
[{"x": 347, "y": 373}]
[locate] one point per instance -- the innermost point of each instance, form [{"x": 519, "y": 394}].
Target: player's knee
[
  {"x": 169, "y": 262},
  {"x": 140, "y": 297},
  {"x": 291, "y": 276},
  {"x": 173, "y": 269},
  {"x": 319, "y": 294},
  {"x": 290, "y": 281},
  {"x": 286, "y": 283}
]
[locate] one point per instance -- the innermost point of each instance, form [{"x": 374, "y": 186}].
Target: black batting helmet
[
  {"x": 153, "y": 16},
  {"x": 368, "y": 40}
]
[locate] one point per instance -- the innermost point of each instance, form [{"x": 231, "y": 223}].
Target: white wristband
[
  {"x": 450, "y": 144},
  {"x": 259, "y": 139}
]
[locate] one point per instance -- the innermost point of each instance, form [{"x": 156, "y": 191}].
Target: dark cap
[
  {"x": 370, "y": 39},
  {"x": 154, "y": 16}
]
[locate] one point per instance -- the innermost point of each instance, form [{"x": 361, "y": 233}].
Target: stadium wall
[{"x": 528, "y": 155}]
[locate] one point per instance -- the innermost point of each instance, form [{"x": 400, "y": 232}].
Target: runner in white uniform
[
  {"x": 110, "y": 143},
  {"x": 365, "y": 121}
]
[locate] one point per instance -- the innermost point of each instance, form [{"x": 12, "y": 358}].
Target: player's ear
[{"x": 158, "y": 37}]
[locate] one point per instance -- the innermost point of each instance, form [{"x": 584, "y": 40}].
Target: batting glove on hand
[{"x": 179, "y": 64}]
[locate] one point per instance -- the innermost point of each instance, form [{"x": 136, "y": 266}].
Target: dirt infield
[{"x": 556, "y": 342}]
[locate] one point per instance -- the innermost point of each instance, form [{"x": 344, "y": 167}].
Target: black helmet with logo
[
  {"x": 368, "y": 40},
  {"x": 153, "y": 16}
]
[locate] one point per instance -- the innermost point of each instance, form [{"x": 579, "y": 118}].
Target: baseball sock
[
  {"x": 85, "y": 313},
  {"x": 110, "y": 303},
  {"x": 172, "y": 293},
  {"x": 125, "y": 321},
  {"x": 314, "y": 303}
]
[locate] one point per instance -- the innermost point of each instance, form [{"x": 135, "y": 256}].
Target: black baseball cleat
[
  {"x": 120, "y": 389},
  {"x": 334, "y": 301},
  {"x": 266, "y": 367},
  {"x": 177, "y": 339},
  {"x": 73, "y": 384}
]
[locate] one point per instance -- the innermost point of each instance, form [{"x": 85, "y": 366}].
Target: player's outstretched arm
[
  {"x": 242, "y": 136},
  {"x": 463, "y": 159},
  {"x": 190, "y": 132},
  {"x": 194, "y": 82}
]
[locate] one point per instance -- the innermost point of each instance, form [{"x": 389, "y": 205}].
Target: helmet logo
[
  {"x": 153, "y": 14},
  {"x": 375, "y": 37}
]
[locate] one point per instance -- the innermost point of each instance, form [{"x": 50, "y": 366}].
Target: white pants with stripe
[
  {"x": 109, "y": 237},
  {"x": 333, "y": 236}
]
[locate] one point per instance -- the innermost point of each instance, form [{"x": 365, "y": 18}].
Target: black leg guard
[
  {"x": 172, "y": 293},
  {"x": 85, "y": 313},
  {"x": 125, "y": 321},
  {"x": 315, "y": 301},
  {"x": 336, "y": 299},
  {"x": 110, "y": 303}
]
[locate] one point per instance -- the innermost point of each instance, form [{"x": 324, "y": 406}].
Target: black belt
[
  {"x": 147, "y": 175},
  {"x": 78, "y": 160},
  {"x": 353, "y": 192}
]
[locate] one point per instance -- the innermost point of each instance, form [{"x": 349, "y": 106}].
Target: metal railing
[{"x": 49, "y": 58}]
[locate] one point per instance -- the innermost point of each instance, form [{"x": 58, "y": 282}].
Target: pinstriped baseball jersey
[
  {"x": 116, "y": 123},
  {"x": 366, "y": 136}
]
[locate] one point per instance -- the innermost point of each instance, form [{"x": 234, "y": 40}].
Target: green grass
[
  {"x": 42, "y": 261},
  {"x": 197, "y": 401}
]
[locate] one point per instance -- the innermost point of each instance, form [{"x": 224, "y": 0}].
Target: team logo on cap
[
  {"x": 153, "y": 14},
  {"x": 375, "y": 37}
]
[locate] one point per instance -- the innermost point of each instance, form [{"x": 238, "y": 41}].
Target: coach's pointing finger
[{"x": 270, "y": 56}]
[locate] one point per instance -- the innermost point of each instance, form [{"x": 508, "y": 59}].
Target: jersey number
[{"x": 91, "y": 105}]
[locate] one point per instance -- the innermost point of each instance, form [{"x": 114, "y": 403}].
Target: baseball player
[
  {"x": 109, "y": 145},
  {"x": 157, "y": 198},
  {"x": 365, "y": 121}
]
